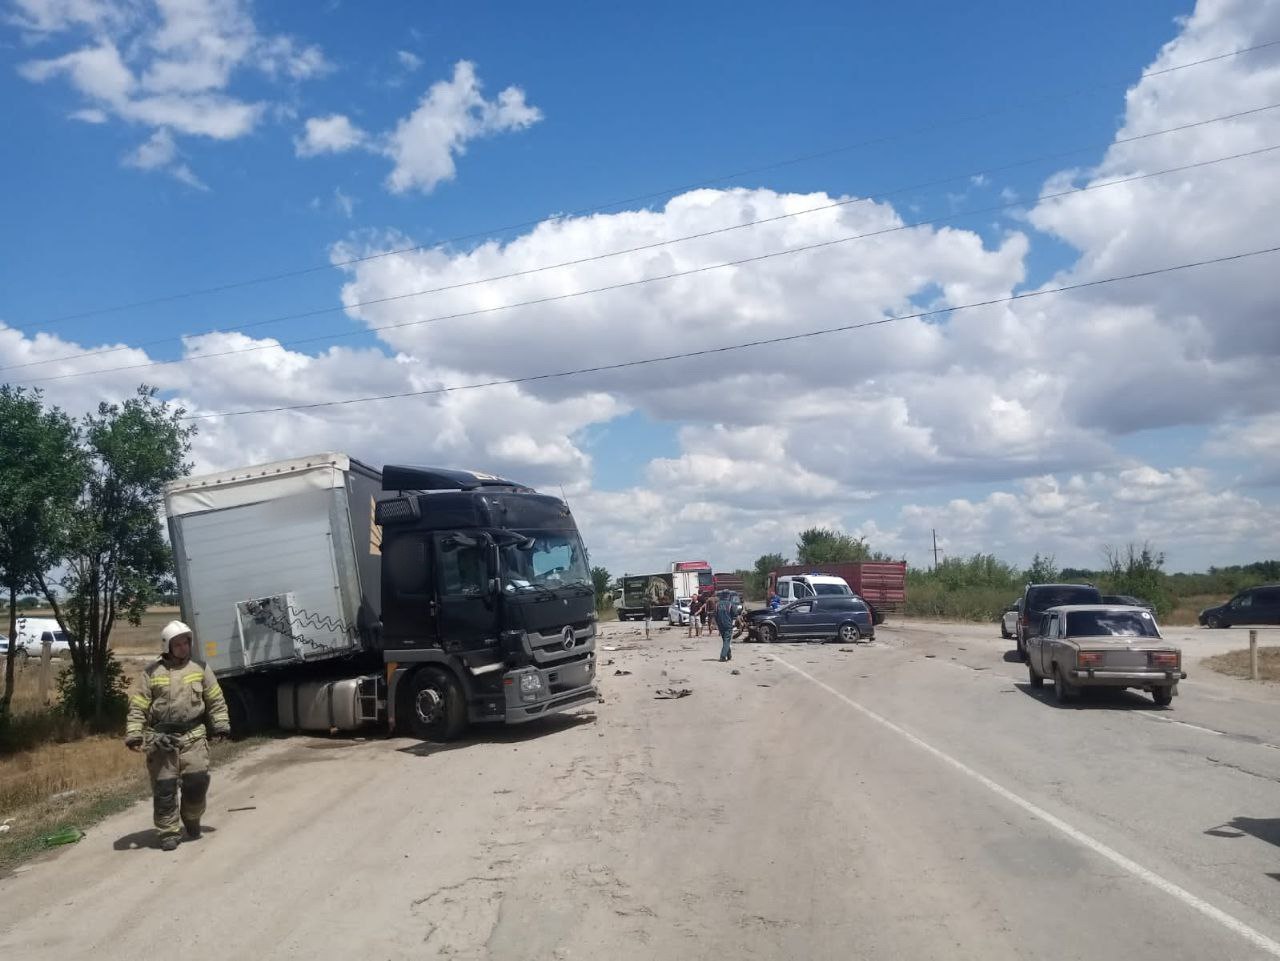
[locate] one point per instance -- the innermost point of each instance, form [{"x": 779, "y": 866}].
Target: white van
[
  {"x": 796, "y": 587},
  {"x": 34, "y": 631}
]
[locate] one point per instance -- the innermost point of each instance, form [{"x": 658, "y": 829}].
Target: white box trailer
[{"x": 279, "y": 564}]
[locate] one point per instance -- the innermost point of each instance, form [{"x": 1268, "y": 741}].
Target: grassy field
[{"x": 1236, "y": 663}]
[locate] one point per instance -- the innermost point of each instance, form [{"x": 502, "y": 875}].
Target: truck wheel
[
  {"x": 849, "y": 634},
  {"x": 1163, "y": 696},
  {"x": 768, "y": 633},
  {"x": 437, "y": 708},
  {"x": 1037, "y": 679},
  {"x": 1063, "y": 692}
]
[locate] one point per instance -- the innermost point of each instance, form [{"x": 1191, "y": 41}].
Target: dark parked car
[
  {"x": 1038, "y": 598},
  {"x": 1127, "y": 600},
  {"x": 1255, "y": 605},
  {"x": 816, "y": 618}
]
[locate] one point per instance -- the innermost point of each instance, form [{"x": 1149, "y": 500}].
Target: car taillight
[
  {"x": 1090, "y": 658},
  {"x": 1165, "y": 659}
]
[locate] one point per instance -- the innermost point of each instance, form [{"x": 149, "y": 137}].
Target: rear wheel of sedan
[
  {"x": 768, "y": 633},
  {"x": 849, "y": 634},
  {"x": 1037, "y": 679},
  {"x": 1063, "y": 692},
  {"x": 1163, "y": 696}
]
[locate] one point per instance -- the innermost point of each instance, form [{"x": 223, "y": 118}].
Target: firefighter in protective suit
[{"x": 167, "y": 721}]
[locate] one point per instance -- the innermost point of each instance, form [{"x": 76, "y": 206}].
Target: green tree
[
  {"x": 819, "y": 545},
  {"x": 1043, "y": 570},
  {"x": 759, "y": 573},
  {"x": 1139, "y": 572},
  {"x": 118, "y": 556},
  {"x": 601, "y": 581},
  {"x": 41, "y": 472}
]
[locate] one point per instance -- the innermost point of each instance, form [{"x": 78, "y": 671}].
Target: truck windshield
[
  {"x": 831, "y": 590},
  {"x": 554, "y": 559}
]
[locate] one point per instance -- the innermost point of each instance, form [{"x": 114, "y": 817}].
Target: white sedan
[
  {"x": 678, "y": 613},
  {"x": 1009, "y": 621}
]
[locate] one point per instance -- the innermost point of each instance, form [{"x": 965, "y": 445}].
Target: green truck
[{"x": 645, "y": 596}]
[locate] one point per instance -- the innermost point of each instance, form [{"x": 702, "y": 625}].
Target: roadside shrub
[{"x": 77, "y": 697}]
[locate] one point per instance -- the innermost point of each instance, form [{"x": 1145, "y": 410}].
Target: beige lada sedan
[{"x": 1097, "y": 645}]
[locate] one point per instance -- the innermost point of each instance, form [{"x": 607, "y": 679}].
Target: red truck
[{"x": 883, "y": 584}]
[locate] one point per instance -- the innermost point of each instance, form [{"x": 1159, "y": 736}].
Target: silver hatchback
[{"x": 1098, "y": 645}]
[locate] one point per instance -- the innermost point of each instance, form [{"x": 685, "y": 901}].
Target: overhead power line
[
  {"x": 872, "y": 198},
  {"x": 727, "y": 348},
  {"x": 632, "y": 283},
  {"x": 638, "y": 198}
]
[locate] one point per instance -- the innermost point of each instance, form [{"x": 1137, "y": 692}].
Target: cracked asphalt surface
[{"x": 913, "y": 798}]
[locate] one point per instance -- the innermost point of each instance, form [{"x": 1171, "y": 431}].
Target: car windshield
[
  {"x": 1111, "y": 624},
  {"x": 547, "y": 560},
  {"x": 831, "y": 590}
]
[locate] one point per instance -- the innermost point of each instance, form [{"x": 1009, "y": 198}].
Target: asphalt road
[{"x": 908, "y": 799}]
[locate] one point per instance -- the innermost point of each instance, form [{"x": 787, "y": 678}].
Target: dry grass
[
  {"x": 1236, "y": 663},
  {"x": 1186, "y": 610}
]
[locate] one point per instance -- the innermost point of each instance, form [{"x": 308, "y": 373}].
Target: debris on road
[
  {"x": 67, "y": 835},
  {"x": 620, "y": 673},
  {"x": 671, "y": 693},
  {"x": 735, "y": 671},
  {"x": 846, "y": 650},
  {"x": 251, "y": 807},
  {"x": 609, "y": 647},
  {"x": 764, "y": 685},
  {"x": 931, "y": 655}
]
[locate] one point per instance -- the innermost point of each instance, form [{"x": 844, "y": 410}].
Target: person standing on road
[
  {"x": 167, "y": 721},
  {"x": 695, "y": 615},
  {"x": 724, "y": 621}
]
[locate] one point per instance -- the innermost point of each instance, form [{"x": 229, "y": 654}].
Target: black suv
[
  {"x": 1038, "y": 598},
  {"x": 814, "y": 618},
  {"x": 1255, "y": 605}
]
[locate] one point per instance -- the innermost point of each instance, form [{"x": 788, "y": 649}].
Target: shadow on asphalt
[
  {"x": 149, "y": 840},
  {"x": 503, "y": 734},
  {"x": 1264, "y": 829},
  {"x": 1095, "y": 699}
]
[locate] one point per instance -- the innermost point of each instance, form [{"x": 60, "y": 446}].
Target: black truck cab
[{"x": 488, "y": 610}]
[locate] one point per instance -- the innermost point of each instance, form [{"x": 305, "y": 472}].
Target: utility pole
[{"x": 935, "y": 548}]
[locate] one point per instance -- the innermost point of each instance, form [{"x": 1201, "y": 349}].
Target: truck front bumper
[{"x": 534, "y": 692}]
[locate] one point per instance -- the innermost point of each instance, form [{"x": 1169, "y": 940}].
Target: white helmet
[{"x": 172, "y": 630}]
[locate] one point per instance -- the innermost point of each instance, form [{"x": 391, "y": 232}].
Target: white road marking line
[
  {"x": 1257, "y": 938},
  {"x": 1171, "y": 720}
]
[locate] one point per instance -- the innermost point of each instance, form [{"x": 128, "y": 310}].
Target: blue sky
[{"x": 626, "y": 101}]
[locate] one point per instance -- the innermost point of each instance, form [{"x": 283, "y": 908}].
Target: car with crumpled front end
[
  {"x": 1098, "y": 645},
  {"x": 846, "y": 619}
]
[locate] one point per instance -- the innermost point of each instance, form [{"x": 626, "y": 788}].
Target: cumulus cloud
[
  {"x": 1028, "y": 406},
  {"x": 165, "y": 64},
  {"x": 425, "y": 144},
  {"x": 332, "y": 134},
  {"x": 161, "y": 153}
]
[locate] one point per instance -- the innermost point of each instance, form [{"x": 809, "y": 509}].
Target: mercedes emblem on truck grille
[{"x": 568, "y": 639}]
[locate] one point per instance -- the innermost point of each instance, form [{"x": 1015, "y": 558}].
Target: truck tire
[{"x": 437, "y": 707}]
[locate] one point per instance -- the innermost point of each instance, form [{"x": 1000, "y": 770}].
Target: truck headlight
[{"x": 530, "y": 683}]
